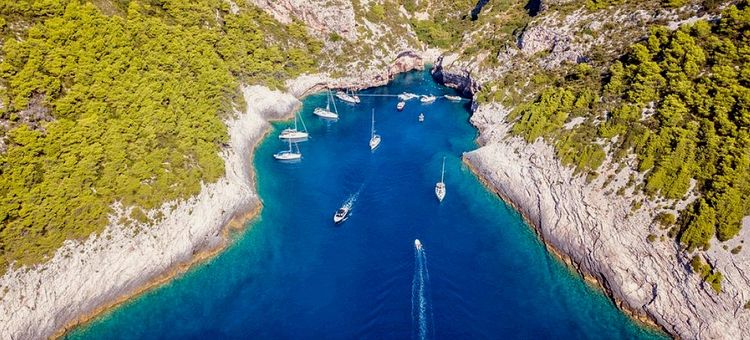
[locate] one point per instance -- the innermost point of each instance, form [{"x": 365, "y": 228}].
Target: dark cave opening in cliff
[{"x": 533, "y": 7}]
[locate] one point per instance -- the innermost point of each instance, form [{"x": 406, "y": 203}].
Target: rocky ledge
[{"x": 599, "y": 234}]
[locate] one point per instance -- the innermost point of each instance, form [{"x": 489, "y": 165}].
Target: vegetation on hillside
[
  {"x": 679, "y": 103},
  {"x": 121, "y": 101}
]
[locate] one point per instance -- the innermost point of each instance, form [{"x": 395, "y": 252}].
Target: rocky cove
[
  {"x": 86, "y": 278},
  {"x": 598, "y": 233}
]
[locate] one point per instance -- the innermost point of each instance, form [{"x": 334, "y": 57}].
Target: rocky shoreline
[
  {"x": 88, "y": 277},
  {"x": 600, "y": 236}
]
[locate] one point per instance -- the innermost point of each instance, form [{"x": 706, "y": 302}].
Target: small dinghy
[{"x": 400, "y": 105}]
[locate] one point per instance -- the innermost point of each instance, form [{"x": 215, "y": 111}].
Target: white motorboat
[
  {"x": 294, "y": 133},
  {"x": 288, "y": 155},
  {"x": 400, "y": 106},
  {"x": 440, "y": 186},
  {"x": 349, "y": 98},
  {"x": 427, "y": 99},
  {"x": 342, "y": 214},
  {"x": 417, "y": 244},
  {"x": 421, "y": 117},
  {"x": 327, "y": 113},
  {"x": 453, "y": 98},
  {"x": 374, "y": 138}
]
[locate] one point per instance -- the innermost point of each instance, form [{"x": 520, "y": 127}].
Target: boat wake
[{"x": 421, "y": 308}]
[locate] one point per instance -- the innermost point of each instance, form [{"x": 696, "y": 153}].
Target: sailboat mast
[
  {"x": 372, "y": 130},
  {"x": 303, "y": 123},
  {"x": 442, "y": 172},
  {"x": 334, "y": 102}
]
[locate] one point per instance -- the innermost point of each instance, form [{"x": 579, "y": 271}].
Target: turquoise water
[{"x": 481, "y": 272}]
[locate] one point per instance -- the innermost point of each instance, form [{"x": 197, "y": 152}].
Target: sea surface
[{"x": 292, "y": 274}]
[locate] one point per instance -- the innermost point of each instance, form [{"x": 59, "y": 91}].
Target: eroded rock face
[
  {"x": 559, "y": 44},
  {"x": 322, "y": 17},
  {"x": 454, "y": 75},
  {"x": 405, "y": 62},
  {"x": 606, "y": 239}
]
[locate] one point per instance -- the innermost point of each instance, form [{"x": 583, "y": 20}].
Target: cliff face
[
  {"x": 604, "y": 238},
  {"x": 322, "y": 17}
]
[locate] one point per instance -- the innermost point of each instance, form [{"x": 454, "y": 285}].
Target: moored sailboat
[
  {"x": 427, "y": 99},
  {"x": 294, "y": 133},
  {"x": 288, "y": 155},
  {"x": 349, "y": 98},
  {"x": 327, "y": 113},
  {"x": 440, "y": 186},
  {"x": 374, "y": 138}
]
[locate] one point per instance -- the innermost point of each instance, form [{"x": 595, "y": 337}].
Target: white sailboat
[
  {"x": 427, "y": 99},
  {"x": 440, "y": 186},
  {"x": 327, "y": 113},
  {"x": 400, "y": 106},
  {"x": 294, "y": 133},
  {"x": 421, "y": 117},
  {"x": 349, "y": 98},
  {"x": 374, "y": 138},
  {"x": 288, "y": 155}
]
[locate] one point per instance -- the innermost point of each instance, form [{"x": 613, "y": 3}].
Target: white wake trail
[{"x": 420, "y": 300}]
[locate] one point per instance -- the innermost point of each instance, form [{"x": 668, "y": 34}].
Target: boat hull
[
  {"x": 440, "y": 191},
  {"x": 374, "y": 142},
  {"x": 323, "y": 113}
]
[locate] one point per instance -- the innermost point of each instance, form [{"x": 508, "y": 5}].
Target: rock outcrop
[
  {"x": 84, "y": 277},
  {"x": 323, "y": 17},
  {"x": 456, "y": 76},
  {"x": 405, "y": 61},
  {"x": 605, "y": 239}
]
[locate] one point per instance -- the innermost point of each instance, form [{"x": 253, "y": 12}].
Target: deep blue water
[{"x": 482, "y": 272}]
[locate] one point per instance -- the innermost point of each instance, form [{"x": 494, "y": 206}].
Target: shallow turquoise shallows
[{"x": 293, "y": 274}]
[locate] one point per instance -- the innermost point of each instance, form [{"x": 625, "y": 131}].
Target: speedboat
[
  {"x": 400, "y": 105},
  {"x": 421, "y": 117},
  {"x": 427, "y": 99},
  {"x": 288, "y": 155},
  {"x": 417, "y": 244},
  {"x": 341, "y": 214},
  {"x": 453, "y": 98}
]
